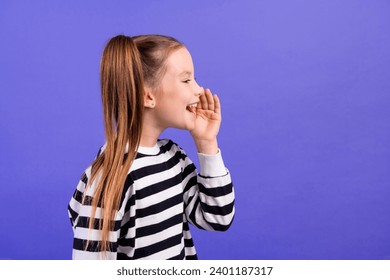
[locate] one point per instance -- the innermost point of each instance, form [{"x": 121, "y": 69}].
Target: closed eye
[{"x": 188, "y": 80}]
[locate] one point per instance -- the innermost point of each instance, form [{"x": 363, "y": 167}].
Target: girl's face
[{"x": 178, "y": 93}]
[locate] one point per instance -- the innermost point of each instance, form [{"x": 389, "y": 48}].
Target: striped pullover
[{"x": 162, "y": 194}]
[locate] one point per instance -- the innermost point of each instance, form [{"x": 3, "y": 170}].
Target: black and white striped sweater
[{"x": 162, "y": 194}]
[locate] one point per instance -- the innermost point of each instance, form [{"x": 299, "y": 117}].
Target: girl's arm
[{"x": 209, "y": 195}]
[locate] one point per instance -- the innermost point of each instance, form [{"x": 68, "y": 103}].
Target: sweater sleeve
[
  {"x": 79, "y": 214},
  {"x": 209, "y": 195}
]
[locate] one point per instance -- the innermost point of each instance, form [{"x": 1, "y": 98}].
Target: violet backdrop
[{"x": 305, "y": 90}]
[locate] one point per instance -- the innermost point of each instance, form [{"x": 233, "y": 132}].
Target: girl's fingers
[
  {"x": 210, "y": 100},
  {"x": 217, "y": 104},
  {"x": 203, "y": 101}
]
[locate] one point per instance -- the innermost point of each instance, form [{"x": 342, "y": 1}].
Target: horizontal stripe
[
  {"x": 83, "y": 222},
  {"x": 159, "y": 236},
  {"x": 155, "y": 228},
  {"x": 216, "y": 191},
  {"x": 157, "y": 247},
  {"x": 158, "y": 187},
  {"x": 159, "y": 217},
  {"x": 156, "y": 168},
  {"x": 223, "y": 220},
  {"x": 94, "y": 234},
  {"x": 163, "y": 205},
  {"x": 217, "y": 201},
  {"x": 80, "y": 244},
  {"x": 218, "y": 210}
]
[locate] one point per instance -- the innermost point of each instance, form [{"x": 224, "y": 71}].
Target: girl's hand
[{"x": 207, "y": 123}]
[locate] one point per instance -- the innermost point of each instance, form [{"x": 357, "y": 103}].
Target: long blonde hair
[{"x": 128, "y": 64}]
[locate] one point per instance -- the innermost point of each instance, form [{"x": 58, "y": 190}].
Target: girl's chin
[{"x": 190, "y": 125}]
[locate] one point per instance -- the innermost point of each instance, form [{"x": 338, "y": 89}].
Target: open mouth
[{"x": 192, "y": 107}]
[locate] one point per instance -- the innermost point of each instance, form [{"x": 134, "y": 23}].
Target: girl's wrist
[{"x": 208, "y": 147}]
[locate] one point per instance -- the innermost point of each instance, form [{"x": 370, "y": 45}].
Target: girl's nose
[{"x": 199, "y": 90}]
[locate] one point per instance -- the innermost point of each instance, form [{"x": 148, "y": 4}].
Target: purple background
[{"x": 305, "y": 90}]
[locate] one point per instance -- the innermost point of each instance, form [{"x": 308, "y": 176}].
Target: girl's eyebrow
[{"x": 185, "y": 73}]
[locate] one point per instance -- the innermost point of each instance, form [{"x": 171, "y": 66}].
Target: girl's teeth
[{"x": 191, "y": 108}]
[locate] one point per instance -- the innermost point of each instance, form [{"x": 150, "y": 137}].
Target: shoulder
[{"x": 167, "y": 145}]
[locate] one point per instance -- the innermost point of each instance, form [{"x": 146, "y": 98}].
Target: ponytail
[{"x": 122, "y": 89}]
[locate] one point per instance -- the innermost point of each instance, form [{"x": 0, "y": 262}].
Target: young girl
[{"x": 136, "y": 199}]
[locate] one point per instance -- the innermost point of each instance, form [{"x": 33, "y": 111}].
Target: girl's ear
[{"x": 149, "y": 98}]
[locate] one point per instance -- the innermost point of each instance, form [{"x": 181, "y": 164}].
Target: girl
[{"x": 136, "y": 199}]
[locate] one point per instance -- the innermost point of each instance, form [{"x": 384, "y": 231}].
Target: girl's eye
[{"x": 186, "y": 81}]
